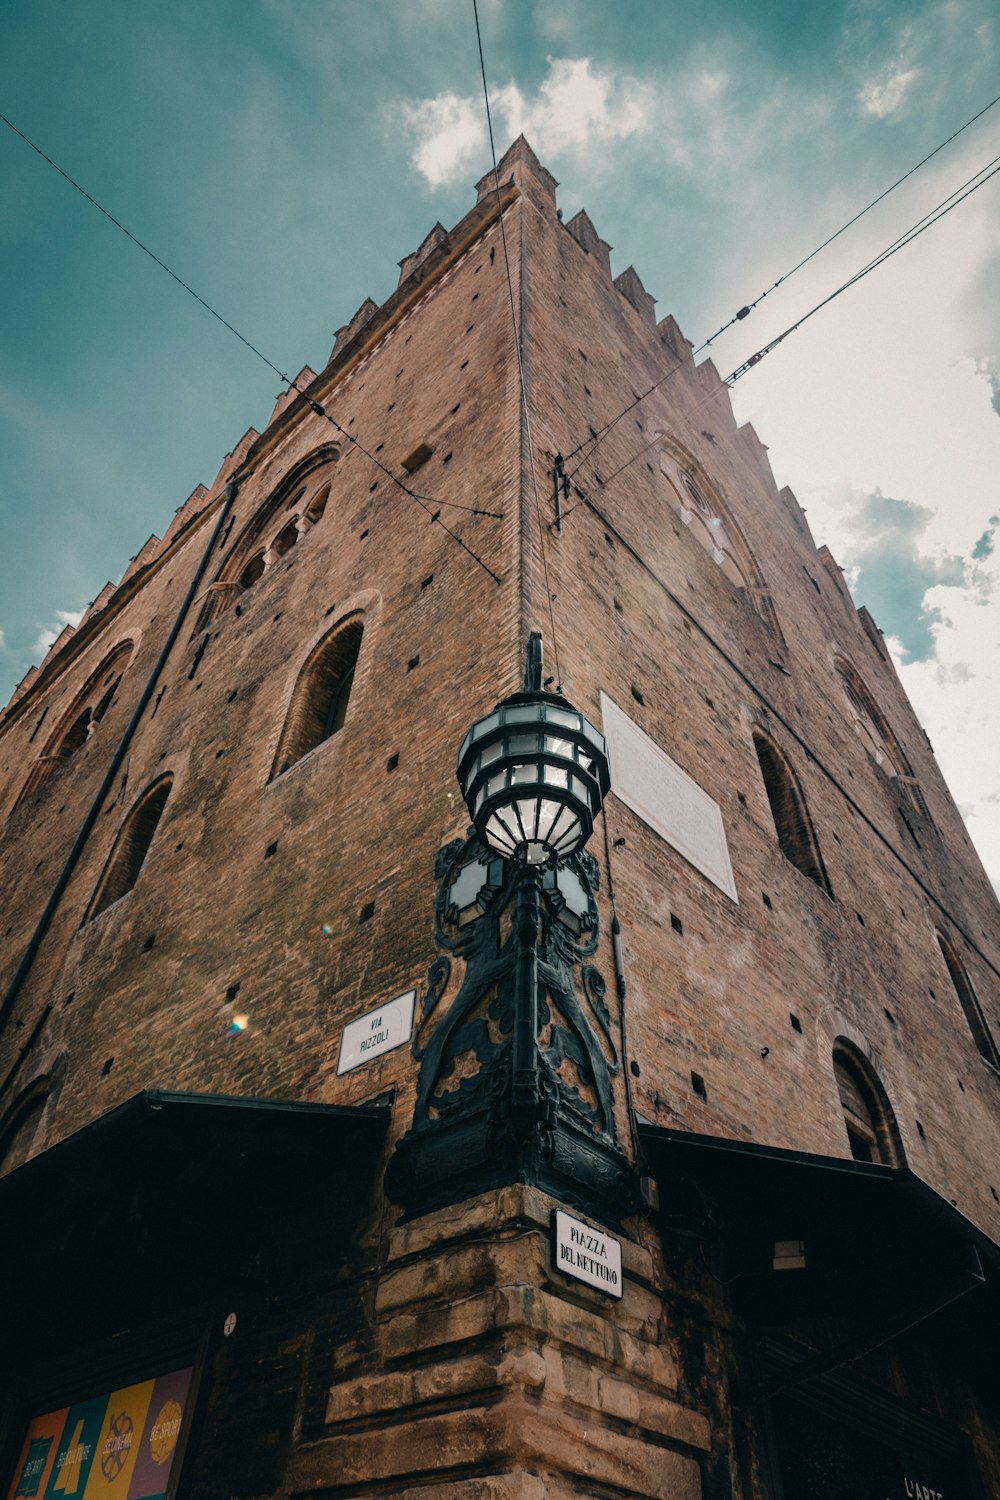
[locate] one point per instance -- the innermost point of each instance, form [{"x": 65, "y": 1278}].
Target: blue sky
[{"x": 283, "y": 156}]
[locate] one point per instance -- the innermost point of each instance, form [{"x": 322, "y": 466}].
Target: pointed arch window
[
  {"x": 875, "y": 733},
  {"x": 701, "y": 509},
  {"x": 796, "y": 835},
  {"x": 80, "y": 720},
  {"x": 131, "y": 847},
  {"x": 321, "y": 695},
  {"x": 969, "y": 1001},
  {"x": 872, "y": 1132},
  {"x": 271, "y": 532}
]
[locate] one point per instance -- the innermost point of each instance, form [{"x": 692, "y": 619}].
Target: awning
[
  {"x": 171, "y": 1199},
  {"x": 876, "y": 1241}
]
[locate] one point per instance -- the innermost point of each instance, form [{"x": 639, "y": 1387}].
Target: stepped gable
[
  {"x": 344, "y": 335},
  {"x": 430, "y": 242},
  {"x": 630, "y": 285},
  {"x": 582, "y": 229},
  {"x": 521, "y": 166}
]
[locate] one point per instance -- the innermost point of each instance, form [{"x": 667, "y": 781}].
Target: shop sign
[
  {"x": 587, "y": 1254},
  {"x": 119, "y": 1446},
  {"x": 376, "y": 1032}
]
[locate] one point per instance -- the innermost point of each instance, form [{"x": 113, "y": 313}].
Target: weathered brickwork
[{"x": 443, "y": 1357}]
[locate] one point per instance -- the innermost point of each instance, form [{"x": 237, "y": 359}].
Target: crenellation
[
  {"x": 632, "y": 289},
  {"x": 430, "y": 242},
  {"x": 582, "y": 229},
  {"x": 350, "y": 330}
]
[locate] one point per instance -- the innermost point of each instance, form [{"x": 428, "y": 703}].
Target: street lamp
[
  {"x": 534, "y": 772},
  {"x": 517, "y": 1064}
]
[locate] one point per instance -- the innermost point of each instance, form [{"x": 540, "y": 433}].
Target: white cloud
[
  {"x": 3, "y": 641},
  {"x": 883, "y": 95},
  {"x": 449, "y": 133},
  {"x": 50, "y": 633},
  {"x": 576, "y": 108}
]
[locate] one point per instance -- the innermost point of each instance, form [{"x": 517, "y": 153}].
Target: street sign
[
  {"x": 377, "y": 1031},
  {"x": 587, "y": 1254}
]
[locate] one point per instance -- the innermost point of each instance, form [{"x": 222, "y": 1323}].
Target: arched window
[
  {"x": 792, "y": 823},
  {"x": 320, "y": 697},
  {"x": 868, "y": 1118},
  {"x": 80, "y": 720},
  {"x": 969, "y": 1001},
  {"x": 18, "y": 1131},
  {"x": 122, "y": 870},
  {"x": 696, "y": 501},
  {"x": 873, "y": 730},
  {"x": 271, "y": 533}
]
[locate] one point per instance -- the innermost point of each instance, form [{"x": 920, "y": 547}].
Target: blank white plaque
[{"x": 667, "y": 798}]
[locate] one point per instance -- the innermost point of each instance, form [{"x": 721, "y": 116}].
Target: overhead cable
[
  {"x": 907, "y": 238},
  {"x": 957, "y": 196},
  {"x": 592, "y": 442},
  {"x": 425, "y": 501}
]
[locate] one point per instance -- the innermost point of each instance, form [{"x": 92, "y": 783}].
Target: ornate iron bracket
[{"x": 516, "y": 1070}]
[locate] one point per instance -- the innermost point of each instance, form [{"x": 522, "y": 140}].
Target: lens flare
[{"x": 238, "y": 1024}]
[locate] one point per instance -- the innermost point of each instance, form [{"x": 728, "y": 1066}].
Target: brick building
[{"x": 276, "y": 1219}]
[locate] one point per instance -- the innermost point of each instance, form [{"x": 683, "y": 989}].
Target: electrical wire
[
  {"x": 592, "y": 442},
  {"x": 933, "y": 215},
  {"x": 914, "y": 232},
  {"x": 426, "y": 502},
  {"x": 517, "y": 350}
]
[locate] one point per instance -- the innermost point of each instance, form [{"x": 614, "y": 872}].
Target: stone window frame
[
  {"x": 302, "y": 489},
  {"x": 80, "y": 720},
  {"x": 320, "y": 699},
  {"x": 793, "y": 825},
  {"x": 869, "y": 1120},
  {"x": 702, "y": 509},
  {"x": 975, "y": 1019},
  {"x": 876, "y": 734},
  {"x": 131, "y": 847}
]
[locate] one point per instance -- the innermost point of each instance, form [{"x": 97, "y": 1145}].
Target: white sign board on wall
[
  {"x": 587, "y": 1254},
  {"x": 376, "y": 1032},
  {"x": 667, "y": 798}
]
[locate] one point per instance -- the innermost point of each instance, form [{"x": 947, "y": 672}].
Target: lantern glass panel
[
  {"x": 556, "y": 776},
  {"x": 557, "y": 746},
  {"x": 523, "y": 775},
  {"x": 522, "y": 744}
]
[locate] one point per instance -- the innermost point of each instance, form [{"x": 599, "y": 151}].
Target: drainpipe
[{"x": 79, "y": 843}]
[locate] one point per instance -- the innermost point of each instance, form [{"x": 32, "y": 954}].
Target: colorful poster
[
  {"x": 117, "y": 1447},
  {"x": 37, "y": 1457},
  {"x": 76, "y": 1449},
  {"x": 160, "y": 1437}
]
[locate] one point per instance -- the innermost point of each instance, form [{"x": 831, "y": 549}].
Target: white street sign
[
  {"x": 379, "y": 1031},
  {"x": 587, "y": 1254}
]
